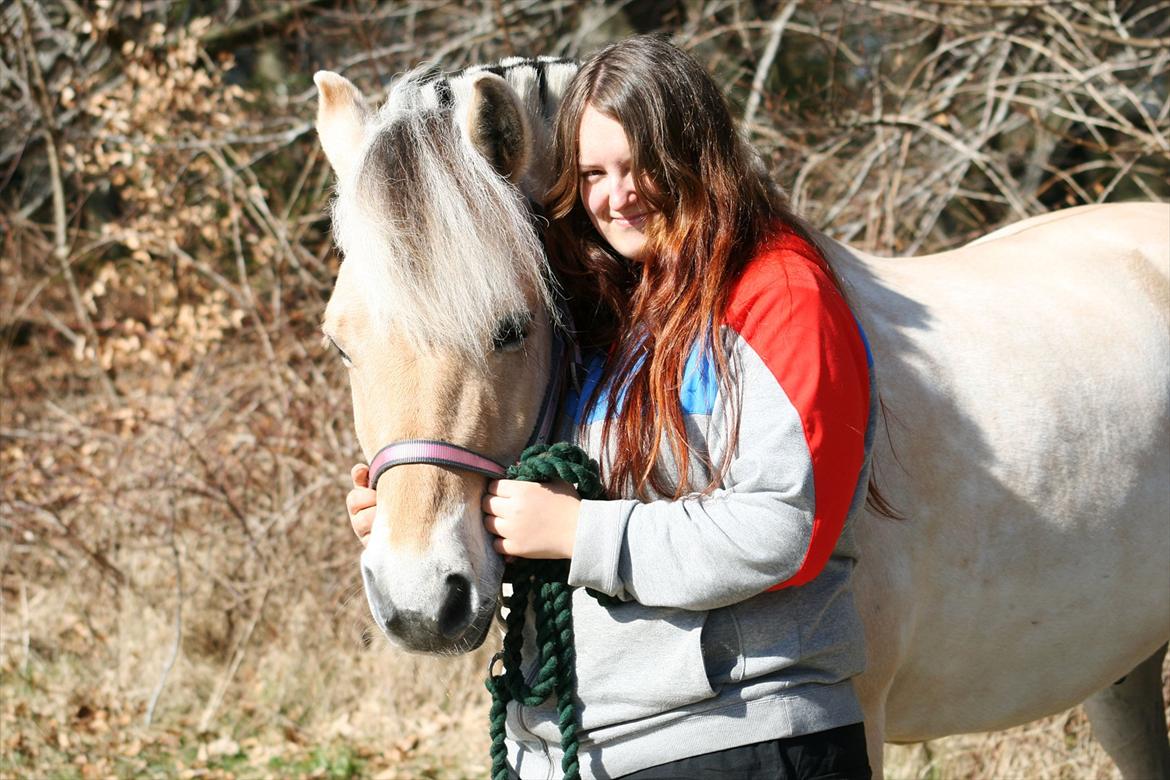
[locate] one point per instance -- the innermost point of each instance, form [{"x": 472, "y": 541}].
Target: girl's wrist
[{"x": 569, "y": 536}]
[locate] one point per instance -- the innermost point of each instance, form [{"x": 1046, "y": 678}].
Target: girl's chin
[
  {"x": 631, "y": 248},
  {"x": 626, "y": 241}
]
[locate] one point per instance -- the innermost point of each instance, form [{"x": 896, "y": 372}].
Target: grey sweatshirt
[{"x": 737, "y": 623}]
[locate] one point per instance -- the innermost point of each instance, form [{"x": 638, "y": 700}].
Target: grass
[
  {"x": 52, "y": 725},
  {"x": 345, "y": 710}
]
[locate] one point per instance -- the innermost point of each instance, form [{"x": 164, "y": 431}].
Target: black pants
[{"x": 836, "y": 754}]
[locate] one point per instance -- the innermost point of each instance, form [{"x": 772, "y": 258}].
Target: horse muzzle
[{"x": 448, "y": 615}]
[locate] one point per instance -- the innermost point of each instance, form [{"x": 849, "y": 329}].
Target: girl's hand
[
  {"x": 360, "y": 503},
  {"x": 532, "y": 520}
]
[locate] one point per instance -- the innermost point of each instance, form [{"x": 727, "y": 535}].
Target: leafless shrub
[
  {"x": 908, "y": 126},
  {"x": 173, "y": 441}
]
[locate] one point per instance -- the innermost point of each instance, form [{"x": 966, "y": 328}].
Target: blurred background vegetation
[{"x": 179, "y": 593}]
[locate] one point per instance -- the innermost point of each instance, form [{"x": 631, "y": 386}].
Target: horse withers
[{"x": 1026, "y": 379}]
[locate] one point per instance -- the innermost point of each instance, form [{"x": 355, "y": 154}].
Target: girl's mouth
[{"x": 631, "y": 221}]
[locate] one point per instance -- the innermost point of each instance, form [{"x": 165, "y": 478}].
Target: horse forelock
[{"x": 442, "y": 247}]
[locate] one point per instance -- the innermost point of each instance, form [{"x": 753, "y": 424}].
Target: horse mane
[{"x": 441, "y": 245}]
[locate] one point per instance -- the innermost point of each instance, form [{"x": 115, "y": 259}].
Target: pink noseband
[{"x": 435, "y": 453}]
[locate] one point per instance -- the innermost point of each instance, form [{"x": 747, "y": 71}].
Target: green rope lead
[{"x": 543, "y": 584}]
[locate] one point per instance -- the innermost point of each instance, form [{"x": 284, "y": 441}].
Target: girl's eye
[
  {"x": 344, "y": 357},
  {"x": 511, "y": 332},
  {"x": 591, "y": 175}
]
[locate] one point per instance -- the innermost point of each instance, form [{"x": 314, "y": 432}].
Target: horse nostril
[
  {"x": 385, "y": 615},
  {"x": 455, "y": 613}
]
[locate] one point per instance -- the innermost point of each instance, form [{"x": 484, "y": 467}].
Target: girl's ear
[
  {"x": 341, "y": 120},
  {"x": 497, "y": 126}
]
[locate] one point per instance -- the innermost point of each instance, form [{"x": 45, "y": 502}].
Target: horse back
[{"x": 1025, "y": 380}]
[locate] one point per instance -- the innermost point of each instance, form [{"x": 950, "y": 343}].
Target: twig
[
  {"x": 216, "y": 699},
  {"x": 25, "y": 638},
  {"x": 70, "y": 535},
  {"x": 838, "y": 46},
  {"x": 224, "y": 34},
  {"x": 889, "y": 238},
  {"x": 502, "y": 24},
  {"x": 766, "y": 60},
  {"x": 230, "y": 180},
  {"x": 203, "y": 267},
  {"x": 176, "y": 642},
  {"x": 60, "y": 231}
]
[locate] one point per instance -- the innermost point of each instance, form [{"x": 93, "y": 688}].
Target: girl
[{"x": 736, "y": 444}]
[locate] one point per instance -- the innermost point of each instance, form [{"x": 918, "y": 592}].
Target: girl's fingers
[
  {"x": 492, "y": 524},
  {"x": 360, "y": 501},
  {"x": 363, "y": 523},
  {"x": 360, "y": 498},
  {"x": 360, "y": 474},
  {"x": 492, "y": 505},
  {"x": 504, "y": 487}
]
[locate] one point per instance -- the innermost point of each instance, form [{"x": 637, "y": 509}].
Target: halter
[{"x": 440, "y": 453}]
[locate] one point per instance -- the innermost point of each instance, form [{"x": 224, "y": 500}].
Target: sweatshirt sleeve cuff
[{"x": 601, "y": 530}]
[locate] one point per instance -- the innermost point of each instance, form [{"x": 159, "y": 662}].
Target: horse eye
[{"x": 511, "y": 332}]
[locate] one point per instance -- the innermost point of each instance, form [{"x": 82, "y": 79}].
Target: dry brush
[{"x": 177, "y": 575}]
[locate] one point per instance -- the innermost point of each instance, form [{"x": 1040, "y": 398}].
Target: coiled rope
[{"x": 543, "y": 584}]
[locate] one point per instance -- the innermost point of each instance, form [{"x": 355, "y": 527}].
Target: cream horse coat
[
  {"x": 1026, "y": 442},
  {"x": 1027, "y": 382}
]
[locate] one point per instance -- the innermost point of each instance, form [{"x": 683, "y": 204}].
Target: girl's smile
[{"x": 607, "y": 184}]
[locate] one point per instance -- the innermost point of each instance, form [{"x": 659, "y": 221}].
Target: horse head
[{"x": 442, "y": 314}]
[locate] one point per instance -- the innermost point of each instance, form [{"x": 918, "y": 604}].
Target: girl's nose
[{"x": 622, "y": 193}]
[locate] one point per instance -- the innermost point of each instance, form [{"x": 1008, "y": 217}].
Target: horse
[{"x": 1025, "y": 444}]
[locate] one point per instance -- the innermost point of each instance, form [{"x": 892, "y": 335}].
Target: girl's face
[{"x": 607, "y": 184}]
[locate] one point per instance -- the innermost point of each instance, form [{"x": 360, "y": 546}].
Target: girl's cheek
[{"x": 592, "y": 197}]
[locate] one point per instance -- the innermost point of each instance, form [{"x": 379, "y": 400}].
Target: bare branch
[{"x": 776, "y": 32}]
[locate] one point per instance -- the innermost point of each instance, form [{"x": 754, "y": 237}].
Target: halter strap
[
  {"x": 542, "y": 429},
  {"x": 435, "y": 453}
]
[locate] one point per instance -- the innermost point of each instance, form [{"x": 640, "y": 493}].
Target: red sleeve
[{"x": 787, "y": 308}]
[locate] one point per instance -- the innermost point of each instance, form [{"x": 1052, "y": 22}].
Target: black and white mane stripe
[{"x": 521, "y": 72}]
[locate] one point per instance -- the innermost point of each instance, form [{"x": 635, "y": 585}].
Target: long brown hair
[{"x": 715, "y": 207}]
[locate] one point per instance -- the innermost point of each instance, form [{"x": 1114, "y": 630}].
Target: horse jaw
[
  {"x": 431, "y": 576},
  {"x": 440, "y": 596}
]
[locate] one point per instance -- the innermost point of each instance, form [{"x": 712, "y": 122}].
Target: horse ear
[
  {"x": 497, "y": 126},
  {"x": 341, "y": 117}
]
